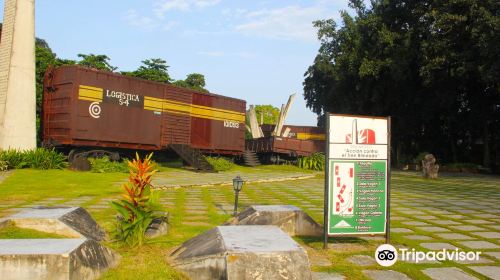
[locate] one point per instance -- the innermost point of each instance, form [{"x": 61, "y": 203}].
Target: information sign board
[{"x": 357, "y": 175}]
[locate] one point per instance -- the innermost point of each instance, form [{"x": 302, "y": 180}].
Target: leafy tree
[
  {"x": 99, "y": 61},
  {"x": 44, "y": 58},
  {"x": 194, "y": 81},
  {"x": 155, "y": 69},
  {"x": 181, "y": 83},
  {"x": 267, "y": 114},
  {"x": 431, "y": 65}
]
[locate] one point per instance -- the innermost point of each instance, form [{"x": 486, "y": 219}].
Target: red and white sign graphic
[
  {"x": 358, "y": 138},
  {"x": 343, "y": 191},
  {"x": 365, "y": 136}
]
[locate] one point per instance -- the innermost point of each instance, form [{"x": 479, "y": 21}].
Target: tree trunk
[
  {"x": 453, "y": 144},
  {"x": 398, "y": 154},
  {"x": 486, "y": 145}
]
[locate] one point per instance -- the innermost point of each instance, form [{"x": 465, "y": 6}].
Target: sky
[{"x": 253, "y": 50}]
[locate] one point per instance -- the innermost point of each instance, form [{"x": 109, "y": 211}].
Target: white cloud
[
  {"x": 133, "y": 19},
  {"x": 205, "y": 3},
  {"x": 163, "y": 6},
  {"x": 246, "y": 55},
  {"x": 166, "y": 5},
  {"x": 211, "y": 53},
  {"x": 289, "y": 23},
  {"x": 169, "y": 25},
  {"x": 233, "y": 13}
]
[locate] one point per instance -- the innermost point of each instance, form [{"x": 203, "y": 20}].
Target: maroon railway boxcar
[
  {"x": 299, "y": 141},
  {"x": 297, "y": 131},
  {"x": 89, "y": 109}
]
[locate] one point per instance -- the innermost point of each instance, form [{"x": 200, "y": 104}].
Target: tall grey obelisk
[{"x": 17, "y": 76}]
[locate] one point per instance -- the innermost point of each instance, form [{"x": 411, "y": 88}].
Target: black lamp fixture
[{"x": 237, "y": 186}]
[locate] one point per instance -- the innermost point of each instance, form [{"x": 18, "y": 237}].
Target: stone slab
[
  {"x": 479, "y": 245},
  {"x": 458, "y": 217},
  {"x": 347, "y": 247},
  {"x": 454, "y": 236},
  {"x": 418, "y": 237},
  {"x": 446, "y": 222},
  {"x": 481, "y": 260},
  {"x": 492, "y": 272},
  {"x": 467, "y": 228},
  {"x": 54, "y": 259},
  {"x": 446, "y": 273},
  {"x": 478, "y": 222},
  {"x": 415, "y": 223},
  {"x": 496, "y": 255},
  {"x": 486, "y": 216},
  {"x": 74, "y": 222},
  {"x": 433, "y": 229},
  {"x": 242, "y": 252},
  {"x": 385, "y": 275},
  {"x": 438, "y": 246},
  {"x": 488, "y": 234},
  {"x": 427, "y": 217},
  {"x": 362, "y": 260},
  {"x": 327, "y": 276},
  {"x": 196, "y": 223},
  {"x": 401, "y": 230},
  {"x": 289, "y": 218}
]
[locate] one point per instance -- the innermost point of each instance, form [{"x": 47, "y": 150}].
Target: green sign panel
[{"x": 357, "y": 196}]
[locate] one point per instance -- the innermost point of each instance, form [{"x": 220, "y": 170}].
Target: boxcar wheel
[{"x": 71, "y": 155}]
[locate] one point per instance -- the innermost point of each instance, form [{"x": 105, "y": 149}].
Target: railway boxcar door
[{"x": 176, "y": 120}]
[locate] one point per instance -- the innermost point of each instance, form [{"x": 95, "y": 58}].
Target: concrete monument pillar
[{"x": 17, "y": 76}]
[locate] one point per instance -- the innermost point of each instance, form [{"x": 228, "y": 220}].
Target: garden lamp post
[{"x": 237, "y": 186}]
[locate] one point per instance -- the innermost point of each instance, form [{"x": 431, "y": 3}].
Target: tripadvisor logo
[{"x": 387, "y": 255}]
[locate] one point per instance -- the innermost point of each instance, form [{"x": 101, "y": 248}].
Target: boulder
[{"x": 429, "y": 167}]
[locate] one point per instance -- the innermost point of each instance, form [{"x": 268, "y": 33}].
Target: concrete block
[
  {"x": 73, "y": 222},
  {"x": 242, "y": 252},
  {"x": 55, "y": 259},
  {"x": 290, "y": 219},
  {"x": 17, "y": 76}
]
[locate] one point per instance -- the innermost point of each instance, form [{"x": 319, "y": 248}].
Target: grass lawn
[{"x": 196, "y": 209}]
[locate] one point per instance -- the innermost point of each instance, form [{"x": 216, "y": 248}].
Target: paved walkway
[
  {"x": 185, "y": 178},
  {"x": 450, "y": 213}
]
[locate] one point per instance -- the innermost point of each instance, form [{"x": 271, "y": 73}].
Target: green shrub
[
  {"x": 140, "y": 203},
  {"x": 15, "y": 159},
  {"x": 418, "y": 159},
  {"x": 39, "y": 158},
  {"x": 219, "y": 163},
  {"x": 313, "y": 162},
  {"x": 105, "y": 165},
  {"x": 4, "y": 165}
]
